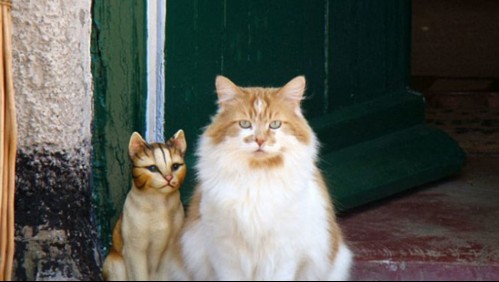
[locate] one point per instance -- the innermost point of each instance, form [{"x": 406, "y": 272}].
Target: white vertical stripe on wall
[{"x": 156, "y": 18}]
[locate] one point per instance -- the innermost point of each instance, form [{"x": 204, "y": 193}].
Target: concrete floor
[{"x": 447, "y": 230}]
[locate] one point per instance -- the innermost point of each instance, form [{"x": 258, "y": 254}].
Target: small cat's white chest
[{"x": 146, "y": 218}]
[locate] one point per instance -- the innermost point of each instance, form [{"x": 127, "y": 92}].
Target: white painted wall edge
[{"x": 155, "y": 111}]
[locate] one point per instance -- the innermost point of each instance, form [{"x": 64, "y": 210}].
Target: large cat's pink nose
[
  {"x": 260, "y": 141},
  {"x": 168, "y": 177}
]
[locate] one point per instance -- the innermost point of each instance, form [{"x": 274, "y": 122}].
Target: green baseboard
[
  {"x": 365, "y": 121},
  {"x": 382, "y": 147},
  {"x": 390, "y": 164}
]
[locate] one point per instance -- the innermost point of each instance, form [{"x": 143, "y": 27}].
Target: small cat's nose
[{"x": 168, "y": 177}]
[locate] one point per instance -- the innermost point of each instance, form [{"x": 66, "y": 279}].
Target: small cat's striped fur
[
  {"x": 145, "y": 238},
  {"x": 261, "y": 209}
]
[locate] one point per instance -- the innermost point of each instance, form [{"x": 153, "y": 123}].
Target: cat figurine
[
  {"x": 261, "y": 209},
  {"x": 149, "y": 227}
]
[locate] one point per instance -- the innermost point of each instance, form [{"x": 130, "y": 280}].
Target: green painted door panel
[
  {"x": 355, "y": 56},
  {"x": 193, "y": 58},
  {"x": 269, "y": 42},
  {"x": 118, "y": 68},
  {"x": 368, "y": 50},
  {"x": 207, "y": 38}
]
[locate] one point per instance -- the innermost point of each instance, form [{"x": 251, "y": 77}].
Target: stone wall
[{"x": 55, "y": 232}]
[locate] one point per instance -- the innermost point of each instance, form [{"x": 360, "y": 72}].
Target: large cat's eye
[
  {"x": 245, "y": 124},
  {"x": 275, "y": 124},
  {"x": 152, "y": 168},
  {"x": 176, "y": 166}
]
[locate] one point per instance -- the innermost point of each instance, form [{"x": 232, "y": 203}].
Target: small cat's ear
[
  {"x": 179, "y": 141},
  {"x": 226, "y": 90},
  {"x": 136, "y": 144},
  {"x": 293, "y": 91}
]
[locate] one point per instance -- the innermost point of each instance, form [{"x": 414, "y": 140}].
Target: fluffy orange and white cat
[
  {"x": 145, "y": 238},
  {"x": 261, "y": 209}
]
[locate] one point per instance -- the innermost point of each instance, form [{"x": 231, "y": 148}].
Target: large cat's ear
[
  {"x": 137, "y": 143},
  {"x": 179, "y": 141},
  {"x": 293, "y": 92},
  {"x": 226, "y": 90}
]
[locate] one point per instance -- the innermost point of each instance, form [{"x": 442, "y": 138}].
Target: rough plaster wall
[
  {"x": 51, "y": 60},
  {"x": 55, "y": 233}
]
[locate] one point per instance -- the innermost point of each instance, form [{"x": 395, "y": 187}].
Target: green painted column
[
  {"x": 356, "y": 57},
  {"x": 119, "y": 74}
]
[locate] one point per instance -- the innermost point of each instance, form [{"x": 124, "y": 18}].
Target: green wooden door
[
  {"x": 119, "y": 74},
  {"x": 355, "y": 56}
]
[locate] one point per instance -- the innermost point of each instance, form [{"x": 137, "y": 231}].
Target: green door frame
[{"x": 118, "y": 50}]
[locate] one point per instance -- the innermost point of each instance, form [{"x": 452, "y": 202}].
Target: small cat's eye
[
  {"x": 245, "y": 124},
  {"x": 176, "y": 166},
  {"x": 275, "y": 124},
  {"x": 152, "y": 168}
]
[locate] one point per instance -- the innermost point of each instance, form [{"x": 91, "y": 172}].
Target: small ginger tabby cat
[
  {"x": 145, "y": 238},
  {"x": 261, "y": 209}
]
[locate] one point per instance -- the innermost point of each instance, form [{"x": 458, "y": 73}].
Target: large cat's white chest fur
[
  {"x": 258, "y": 206},
  {"x": 263, "y": 224}
]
